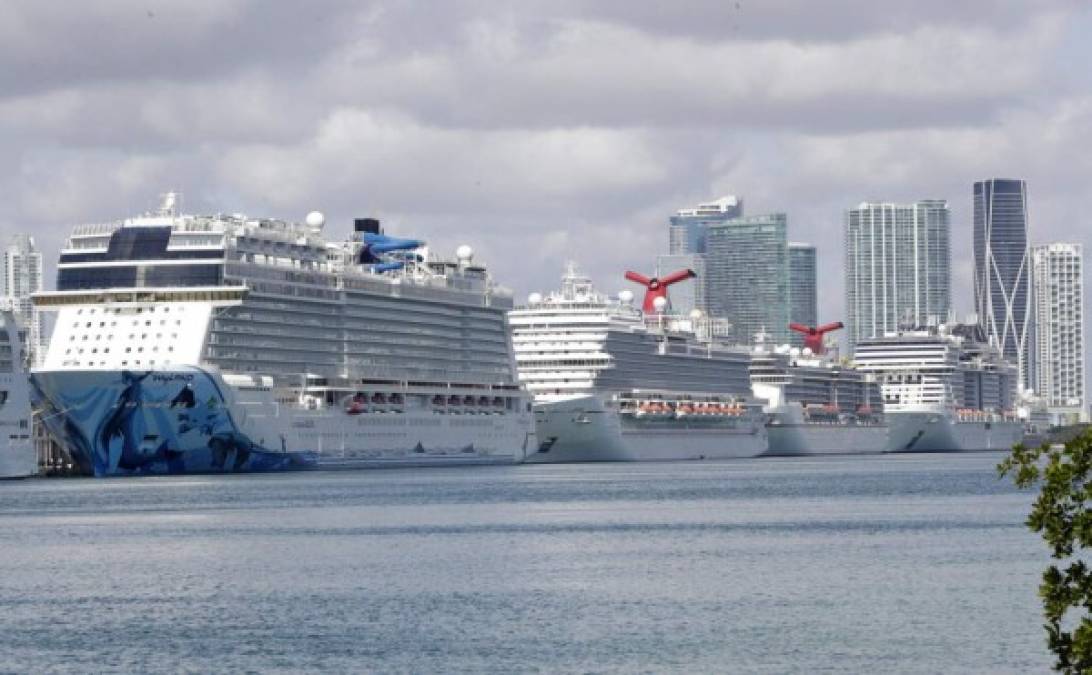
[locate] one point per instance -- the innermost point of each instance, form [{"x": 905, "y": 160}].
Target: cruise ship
[
  {"x": 816, "y": 406},
  {"x": 944, "y": 389},
  {"x": 17, "y": 454},
  {"x": 226, "y": 343},
  {"x": 612, "y": 382}
]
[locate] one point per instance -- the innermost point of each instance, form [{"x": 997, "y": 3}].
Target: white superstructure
[
  {"x": 611, "y": 383},
  {"x": 944, "y": 389},
  {"x": 245, "y": 343}
]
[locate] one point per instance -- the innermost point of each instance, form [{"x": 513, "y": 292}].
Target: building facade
[
  {"x": 1058, "y": 282},
  {"x": 687, "y": 228},
  {"x": 1002, "y": 270},
  {"x": 803, "y": 288},
  {"x": 897, "y": 266},
  {"x": 747, "y": 275},
  {"x": 687, "y": 295},
  {"x": 22, "y": 276}
]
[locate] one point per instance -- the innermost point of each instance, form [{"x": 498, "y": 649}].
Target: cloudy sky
[{"x": 540, "y": 131}]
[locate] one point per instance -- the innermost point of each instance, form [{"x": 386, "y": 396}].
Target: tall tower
[
  {"x": 898, "y": 266},
  {"x": 803, "y": 288},
  {"x": 1058, "y": 281},
  {"x": 747, "y": 275},
  {"x": 686, "y": 231},
  {"x": 1002, "y": 270},
  {"x": 22, "y": 276}
]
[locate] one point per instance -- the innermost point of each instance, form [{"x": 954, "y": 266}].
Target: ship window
[
  {"x": 128, "y": 349},
  {"x": 106, "y": 350},
  {"x": 147, "y": 323},
  {"x": 124, "y": 363},
  {"x": 79, "y": 311},
  {"x": 170, "y": 349},
  {"x": 102, "y": 324},
  {"x": 88, "y": 325},
  {"x": 140, "y": 349},
  {"x": 68, "y": 351}
]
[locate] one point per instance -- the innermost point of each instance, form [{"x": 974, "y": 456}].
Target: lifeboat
[
  {"x": 684, "y": 409},
  {"x": 438, "y": 400},
  {"x": 454, "y": 400},
  {"x": 468, "y": 400},
  {"x": 357, "y": 404},
  {"x": 483, "y": 400}
]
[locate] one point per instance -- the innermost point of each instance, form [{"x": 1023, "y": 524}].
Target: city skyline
[{"x": 459, "y": 137}]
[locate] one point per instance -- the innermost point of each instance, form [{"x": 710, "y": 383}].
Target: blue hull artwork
[{"x": 127, "y": 422}]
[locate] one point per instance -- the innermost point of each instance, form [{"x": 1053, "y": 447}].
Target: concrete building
[
  {"x": 687, "y": 227},
  {"x": 21, "y": 270},
  {"x": 1058, "y": 282},
  {"x": 747, "y": 275},
  {"x": 803, "y": 288},
  {"x": 897, "y": 266},
  {"x": 1002, "y": 270}
]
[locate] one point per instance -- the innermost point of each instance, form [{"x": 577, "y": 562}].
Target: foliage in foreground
[{"x": 1061, "y": 515}]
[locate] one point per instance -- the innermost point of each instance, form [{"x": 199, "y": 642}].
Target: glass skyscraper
[
  {"x": 898, "y": 266},
  {"x": 1002, "y": 270},
  {"x": 803, "y": 290},
  {"x": 688, "y": 226},
  {"x": 747, "y": 275}
]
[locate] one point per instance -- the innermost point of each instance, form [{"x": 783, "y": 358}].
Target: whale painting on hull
[{"x": 123, "y": 422}]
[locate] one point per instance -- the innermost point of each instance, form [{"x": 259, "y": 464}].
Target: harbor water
[{"x": 836, "y": 564}]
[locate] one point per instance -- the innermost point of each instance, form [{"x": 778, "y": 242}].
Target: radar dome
[
  {"x": 534, "y": 298},
  {"x": 659, "y": 303},
  {"x": 625, "y": 297},
  {"x": 695, "y": 314},
  {"x": 807, "y": 351},
  {"x": 316, "y": 220}
]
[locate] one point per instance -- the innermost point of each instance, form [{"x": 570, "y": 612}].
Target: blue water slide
[{"x": 376, "y": 245}]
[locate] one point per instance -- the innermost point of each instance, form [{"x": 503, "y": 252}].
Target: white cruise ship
[
  {"x": 816, "y": 406},
  {"x": 17, "y": 455},
  {"x": 227, "y": 343},
  {"x": 612, "y": 383},
  {"x": 944, "y": 389}
]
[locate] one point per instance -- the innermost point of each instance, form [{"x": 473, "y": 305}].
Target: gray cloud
[{"x": 542, "y": 130}]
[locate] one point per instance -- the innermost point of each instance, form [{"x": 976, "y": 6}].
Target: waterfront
[{"x": 861, "y": 564}]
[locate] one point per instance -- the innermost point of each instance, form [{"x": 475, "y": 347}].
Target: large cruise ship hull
[
  {"x": 941, "y": 431},
  {"x": 583, "y": 429},
  {"x": 188, "y": 420},
  {"x": 17, "y": 458},
  {"x": 826, "y": 439}
]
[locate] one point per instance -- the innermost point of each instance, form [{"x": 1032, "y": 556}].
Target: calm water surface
[{"x": 878, "y": 564}]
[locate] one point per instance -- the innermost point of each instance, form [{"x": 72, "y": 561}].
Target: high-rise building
[
  {"x": 803, "y": 288},
  {"x": 22, "y": 276},
  {"x": 1002, "y": 270},
  {"x": 688, "y": 226},
  {"x": 688, "y": 295},
  {"x": 747, "y": 275},
  {"x": 898, "y": 266},
  {"x": 1058, "y": 282}
]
